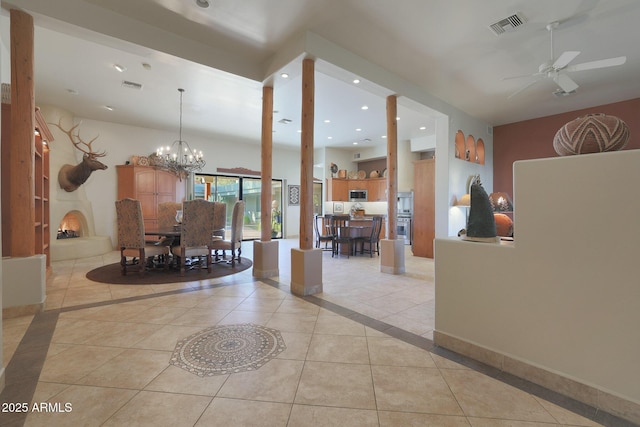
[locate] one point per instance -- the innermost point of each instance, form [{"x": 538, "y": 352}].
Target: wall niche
[{"x": 469, "y": 149}]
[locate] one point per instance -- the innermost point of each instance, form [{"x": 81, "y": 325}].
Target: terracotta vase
[{"x": 593, "y": 133}]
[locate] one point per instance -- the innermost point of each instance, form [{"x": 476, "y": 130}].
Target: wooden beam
[
  {"x": 392, "y": 166},
  {"x": 267, "y": 164},
  {"x": 22, "y": 149},
  {"x": 306, "y": 155}
]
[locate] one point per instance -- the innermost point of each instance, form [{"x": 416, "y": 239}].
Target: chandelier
[{"x": 178, "y": 158}]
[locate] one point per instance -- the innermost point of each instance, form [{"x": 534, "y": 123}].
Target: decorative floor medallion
[{"x": 227, "y": 349}]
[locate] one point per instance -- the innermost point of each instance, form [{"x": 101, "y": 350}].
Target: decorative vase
[{"x": 593, "y": 133}]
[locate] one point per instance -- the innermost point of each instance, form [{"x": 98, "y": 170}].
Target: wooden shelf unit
[{"x": 41, "y": 173}]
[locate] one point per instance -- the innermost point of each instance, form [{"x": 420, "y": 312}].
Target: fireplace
[{"x": 73, "y": 225}]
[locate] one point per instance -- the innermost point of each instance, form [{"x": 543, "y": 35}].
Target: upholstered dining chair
[
  {"x": 234, "y": 244},
  {"x": 324, "y": 236},
  {"x": 373, "y": 239},
  {"x": 196, "y": 232},
  {"x": 167, "y": 219},
  {"x": 131, "y": 236},
  {"x": 219, "y": 219}
]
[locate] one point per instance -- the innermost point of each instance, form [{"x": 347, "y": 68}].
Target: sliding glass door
[{"x": 228, "y": 189}]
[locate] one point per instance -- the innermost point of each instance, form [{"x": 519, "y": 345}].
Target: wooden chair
[
  {"x": 196, "y": 233},
  {"x": 131, "y": 236},
  {"x": 373, "y": 239},
  {"x": 325, "y": 237},
  {"x": 234, "y": 245},
  {"x": 341, "y": 234}
]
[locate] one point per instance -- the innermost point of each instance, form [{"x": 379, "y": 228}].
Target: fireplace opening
[{"x": 73, "y": 225}]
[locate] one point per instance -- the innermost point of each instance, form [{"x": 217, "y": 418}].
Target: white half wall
[{"x": 563, "y": 299}]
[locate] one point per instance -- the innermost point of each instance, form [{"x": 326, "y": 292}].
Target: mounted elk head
[{"x": 71, "y": 177}]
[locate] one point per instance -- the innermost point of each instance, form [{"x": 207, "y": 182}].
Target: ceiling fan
[{"x": 557, "y": 69}]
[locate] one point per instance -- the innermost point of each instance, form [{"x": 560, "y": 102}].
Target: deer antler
[{"x": 71, "y": 136}]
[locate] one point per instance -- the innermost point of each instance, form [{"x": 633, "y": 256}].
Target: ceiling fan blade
[
  {"x": 564, "y": 59},
  {"x": 565, "y": 82},
  {"x": 523, "y": 88},
  {"x": 602, "y": 63},
  {"x": 521, "y": 76}
]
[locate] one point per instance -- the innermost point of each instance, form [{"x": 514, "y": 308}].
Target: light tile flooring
[{"x": 109, "y": 354}]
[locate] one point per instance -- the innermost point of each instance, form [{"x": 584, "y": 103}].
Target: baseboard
[
  {"x": 584, "y": 393},
  {"x": 23, "y": 310}
]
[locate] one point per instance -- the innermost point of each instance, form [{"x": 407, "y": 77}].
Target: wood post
[
  {"x": 306, "y": 155},
  {"x": 22, "y": 149},
  {"x": 392, "y": 166},
  {"x": 267, "y": 164}
]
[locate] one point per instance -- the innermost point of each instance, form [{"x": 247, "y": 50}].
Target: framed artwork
[
  {"x": 294, "y": 195},
  {"x": 338, "y": 207}
]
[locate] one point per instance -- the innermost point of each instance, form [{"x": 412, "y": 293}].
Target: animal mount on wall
[{"x": 71, "y": 177}]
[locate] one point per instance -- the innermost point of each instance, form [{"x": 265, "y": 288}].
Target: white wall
[{"x": 564, "y": 297}]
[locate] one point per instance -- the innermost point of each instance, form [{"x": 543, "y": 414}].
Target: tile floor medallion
[{"x": 226, "y": 349}]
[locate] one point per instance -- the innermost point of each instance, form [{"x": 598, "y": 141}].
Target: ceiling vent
[
  {"x": 284, "y": 121},
  {"x": 131, "y": 85},
  {"x": 510, "y": 23},
  {"x": 356, "y": 155}
]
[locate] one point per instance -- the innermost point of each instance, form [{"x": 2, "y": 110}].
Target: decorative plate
[
  {"x": 384, "y": 173},
  {"x": 362, "y": 174},
  {"x": 352, "y": 175}
]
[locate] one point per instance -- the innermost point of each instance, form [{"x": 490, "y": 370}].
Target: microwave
[{"x": 357, "y": 195}]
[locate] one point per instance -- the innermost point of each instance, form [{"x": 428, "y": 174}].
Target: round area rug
[
  {"x": 227, "y": 349},
  {"x": 112, "y": 274}
]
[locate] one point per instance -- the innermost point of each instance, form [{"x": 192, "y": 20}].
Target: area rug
[
  {"x": 227, "y": 349},
  {"x": 112, "y": 274}
]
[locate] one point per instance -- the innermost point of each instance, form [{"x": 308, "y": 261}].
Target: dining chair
[
  {"x": 219, "y": 219},
  {"x": 326, "y": 236},
  {"x": 167, "y": 219},
  {"x": 341, "y": 234},
  {"x": 196, "y": 233},
  {"x": 131, "y": 236},
  {"x": 373, "y": 239},
  {"x": 234, "y": 244}
]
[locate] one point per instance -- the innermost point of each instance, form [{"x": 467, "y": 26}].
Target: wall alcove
[{"x": 468, "y": 149}]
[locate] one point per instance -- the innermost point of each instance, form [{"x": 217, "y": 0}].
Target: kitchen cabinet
[
  {"x": 424, "y": 197},
  {"x": 338, "y": 189},
  {"x": 151, "y": 186}
]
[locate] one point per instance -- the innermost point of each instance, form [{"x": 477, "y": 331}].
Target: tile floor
[{"x": 357, "y": 355}]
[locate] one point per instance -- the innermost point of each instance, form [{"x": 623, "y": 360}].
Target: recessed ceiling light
[
  {"x": 108, "y": 107},
  {"x": 364, "y": 107},
  {"x": 355, "y": 143},
  {"x": 397, "y": 118},
  {"x": 423, "y": 127},
  {"x": 120, "y": 68},
  {"x": 202, "y": 3},
  {"x": 299, "y": 130},
  {"x": 329, "y": 137},
  {"x": 284, "y": 75},
  {"x": 384, "y": 136},
  {"x": 327, "y": 121},
  {"x": 356, "y": 81},
  {"x": 146, "y": 65}
]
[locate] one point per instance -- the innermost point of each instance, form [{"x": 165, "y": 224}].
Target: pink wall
[{"x": 533, "y": 139}]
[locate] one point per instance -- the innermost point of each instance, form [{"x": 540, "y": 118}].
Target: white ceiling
[{"x": 223, "y": 55}]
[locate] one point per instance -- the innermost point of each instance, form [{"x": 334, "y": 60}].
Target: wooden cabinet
[
  {"x": 377, "y": 189},
  {"x": 338, "y": 189},
  {"x": 151, "y": 186},
  {"x": 13, "y": 191},
  {"x": 424, "y": 196}
]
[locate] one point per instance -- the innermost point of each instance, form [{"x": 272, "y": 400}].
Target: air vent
[
  {"x": 284, "y": 121},
  {"x": 131, "y": 85},
  {"x": 509, "y": 23},
  {"x": 356, "y": 155}
]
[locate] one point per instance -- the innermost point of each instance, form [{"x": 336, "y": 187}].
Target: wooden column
[
  {"x": 306, "y": 155},
  {"x": 392, "y": 166},
  {"x": 21, "y": 187},
  {"x": 267, "y": 163}
]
